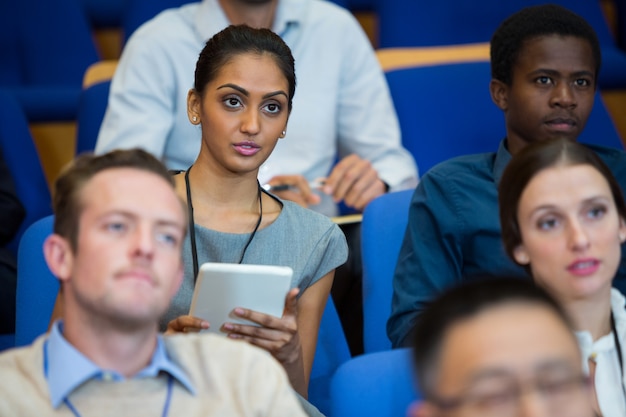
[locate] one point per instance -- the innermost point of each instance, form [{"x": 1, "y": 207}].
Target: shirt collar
[
  {"x": 503, "y": 157},
  {"x": 210, "y": 18},
  {"x": 62, "y": 379},
  {"x": 606, "y": 342}
]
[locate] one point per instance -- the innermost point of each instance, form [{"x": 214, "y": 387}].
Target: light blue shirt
[
  {"x": 66, "y": 368},
  {"x": 342, "y": 103}
]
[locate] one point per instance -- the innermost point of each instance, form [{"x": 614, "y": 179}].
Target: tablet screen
[{"x": 221, "y": 287}]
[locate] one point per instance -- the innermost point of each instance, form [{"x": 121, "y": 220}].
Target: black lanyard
[{"x": 192, "y": 231}]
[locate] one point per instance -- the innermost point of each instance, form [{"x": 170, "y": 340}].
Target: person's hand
[
  {"x": 298, "y": 190},
  {"x": 186, "y": 324},
  {"x": 279, "y": 336},
  {"x": 354, "y": 181}
]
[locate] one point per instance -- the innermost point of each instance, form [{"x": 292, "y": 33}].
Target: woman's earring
[
  {"x": 194, "y": 119},
  {"x": 282, "y": 135}
]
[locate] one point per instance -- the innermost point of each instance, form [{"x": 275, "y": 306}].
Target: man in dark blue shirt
[{"x": 544, "y": 64}]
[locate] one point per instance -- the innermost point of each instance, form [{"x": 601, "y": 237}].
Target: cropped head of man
[
  {"x": 116, "y": 247},
  {"x": 545, "y": 62},
  {"x": 498, "y": 348}
]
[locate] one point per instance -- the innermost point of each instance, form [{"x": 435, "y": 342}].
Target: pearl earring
[
  {"x": 284, "y": 133},
  {"x": 194, "y": 119},
  {"x": 523, "y": 258}
]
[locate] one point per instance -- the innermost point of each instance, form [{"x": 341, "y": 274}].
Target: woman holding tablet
[
  {"x": 563, "y": 218},
  {"x": 241, "y": 100}
]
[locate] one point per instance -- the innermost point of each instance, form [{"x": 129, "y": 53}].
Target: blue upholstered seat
[
  {"x": 382, "y": 230},
  {"x": 449, "y": 22},
  {"x": 46, "y": 47},
  {"x": 374, "y": 385}
]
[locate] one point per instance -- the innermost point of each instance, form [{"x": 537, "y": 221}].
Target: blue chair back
[
  {"x": 37, "y": 288},
  {"x": 445, "y": 111},
  {"x": 11, "y": 69},
  {"x": 331, "y": 351},
  {"x": 600, "y": 129},
  {"x": 104, "y": 14},
  {"x": 382, "y": 230},
  {"x": 59, "y": 42},
  {"x": 54, "y": 48},
  {"x": 450, "y": 22},
  {"x": 93, "y": 104},
  {"x": 22, "y": 160},
  {"x": 374, "y": 385},
  {"x": 361, "y": 5}
]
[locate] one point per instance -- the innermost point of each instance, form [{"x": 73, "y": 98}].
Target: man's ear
[
  {"x": 499, "y": 94},
  {"x": 421, "y": 408},
  {"x": 59, "y": 256}
]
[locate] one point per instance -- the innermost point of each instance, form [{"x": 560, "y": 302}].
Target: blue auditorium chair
[
  {"x": 374, "y": 385},
  {"x": 446, "y": 111},
  {"x": 37, "y": 288},
  {"x": 93, "y": 104},
  {"x": 382, "y": 231},
  {"x": 409, "y": 23},
  {"x": 361, "y": 5},
  {"x": 104, "y": 13},
  {"x": 22, "y": 159},
  {"x": 331, "y": 352},
  {"x": 46, "y": 47}
]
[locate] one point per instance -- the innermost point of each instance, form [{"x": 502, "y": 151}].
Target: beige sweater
[{"x": 231, "y": 379}]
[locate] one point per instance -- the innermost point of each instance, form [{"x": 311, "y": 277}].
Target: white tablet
[{"x": 221, "y": 287}]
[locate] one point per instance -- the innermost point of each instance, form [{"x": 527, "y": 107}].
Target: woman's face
[
  {"x": 571, "y": 231},
  {"x": 243, "y": 112}
]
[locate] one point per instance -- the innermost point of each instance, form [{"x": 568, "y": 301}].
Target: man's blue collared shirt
[{"x": 66, "y": 368}]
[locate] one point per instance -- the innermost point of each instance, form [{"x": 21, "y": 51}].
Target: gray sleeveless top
[{"x": 308, "y": 242}]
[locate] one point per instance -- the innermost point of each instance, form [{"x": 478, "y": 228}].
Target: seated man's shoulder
[
  {"x": 329, "y": 11},
  {"x": 170, "y": 23},
  {"x": 332, "y": 17},
  {"x": 461, "y": 168},
  {"x": 613, "y": 157},
  {"x": 615, "y": 160},
  {"x": 16, "y": 359},
  {"x": 22, "y": 371}
]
